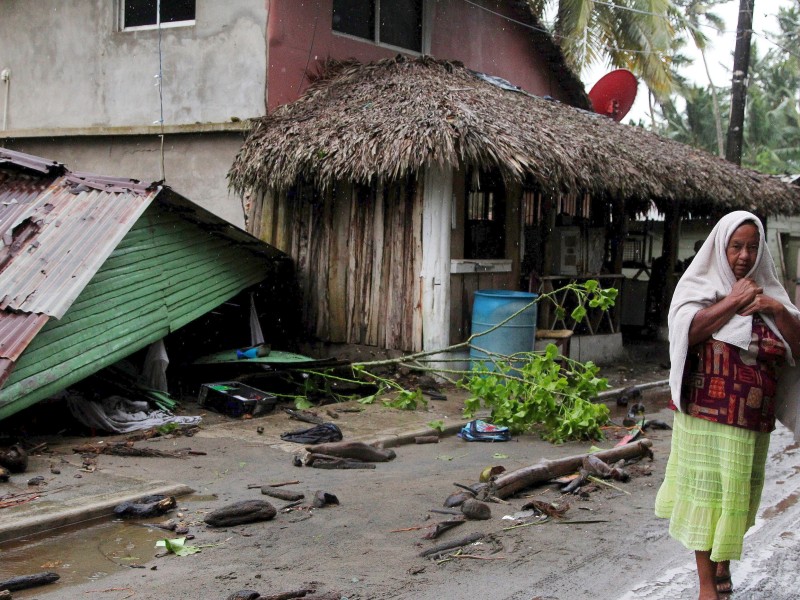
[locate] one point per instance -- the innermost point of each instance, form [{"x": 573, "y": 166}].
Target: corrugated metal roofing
[
  {"x": 58, "y": 229},
  {"x": 65, "y": 234}
]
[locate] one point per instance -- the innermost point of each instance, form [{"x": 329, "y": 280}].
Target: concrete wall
[
  {"x": 83, "y": 92},
  {"x": 71, "y": 66},
  {"x": 196, "y": 164}
]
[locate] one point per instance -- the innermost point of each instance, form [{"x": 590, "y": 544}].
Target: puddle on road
[{"x": 79, "y": 553}]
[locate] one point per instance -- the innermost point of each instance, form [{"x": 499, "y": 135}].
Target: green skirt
[{"x": 712, "y": 486}]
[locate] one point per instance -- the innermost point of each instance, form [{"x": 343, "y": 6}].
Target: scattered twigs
[
  {"x": 439, "y": 528},
  {"x": 609, "y": 484},
  {"x": 18, "y": 501},
  {"x": 304, "y": 415},
  {"x": 128, "y": 449},
  {"x": 288, "y": 595},
  {"x": 125, "y": 589},
  {"x": 443, "y": 547}
]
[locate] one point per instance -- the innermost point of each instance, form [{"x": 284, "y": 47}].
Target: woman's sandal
[{"x": 724, "y": 584}]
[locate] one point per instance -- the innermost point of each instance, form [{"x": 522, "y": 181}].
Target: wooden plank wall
[{"x": 358, "y": 252}]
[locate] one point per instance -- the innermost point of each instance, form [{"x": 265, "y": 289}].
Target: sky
[{"x": 719, "y": 53}]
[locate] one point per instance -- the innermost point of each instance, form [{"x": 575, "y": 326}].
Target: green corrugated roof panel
[{"x": 165, "y": 273}]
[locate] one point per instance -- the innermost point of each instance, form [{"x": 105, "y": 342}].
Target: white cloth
[
  {"x": 256, "y": 335},
  {"x": 707, "y": 280},
  {"x": 120, "y": 415},
  {"x": 154, "y": 372}
]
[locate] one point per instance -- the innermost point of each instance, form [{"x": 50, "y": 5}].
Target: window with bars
[
  {"x": 485, "y": 234},
  {"x": 392, "y": 22},
  {"x": 146, "y": 14}
]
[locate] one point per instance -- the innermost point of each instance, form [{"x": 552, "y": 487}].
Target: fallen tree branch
[{"x": 510, "y": 483}]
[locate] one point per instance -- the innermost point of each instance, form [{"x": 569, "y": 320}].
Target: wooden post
[
  {"x": 547, "y": 226},
  {"x": 619, "y": 231},
  {"x": 670, "y": 253}
]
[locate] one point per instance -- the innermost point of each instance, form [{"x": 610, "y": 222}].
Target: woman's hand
[
  {"x": 761, "y": 303},
  {"x": 744, "y": 293},
  {"x": 712, "y": 318},
  {"x": 787, "y": 324}
]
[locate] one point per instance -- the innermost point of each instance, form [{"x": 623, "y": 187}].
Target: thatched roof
[{"x": 387, "y": 119}]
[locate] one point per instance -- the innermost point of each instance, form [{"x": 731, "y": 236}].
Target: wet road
[{"x": 770, "y": 565}]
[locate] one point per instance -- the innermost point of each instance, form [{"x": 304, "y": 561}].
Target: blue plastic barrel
[{"x": 492, "y": 307}]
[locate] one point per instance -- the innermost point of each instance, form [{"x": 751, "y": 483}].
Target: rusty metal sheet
[
  {"x": 29, "y": 161},
  {"x": 16, "y": 332},
  {"x": 65, "y": 234}
]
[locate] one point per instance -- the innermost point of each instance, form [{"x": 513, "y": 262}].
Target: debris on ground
[
  {"x": 445, "y": 546},
  {"x": 319, "y": 434},
  {"x": 239, "y": 513},
  {"x": 509, "y": 483},
  {"x": 322, "y": 499},
  {"x": 24, "y": 582},
  {"x": 147, "y": 507},
  {"x": 476, "y": 510},
  {"x": 15, "y": 459},
  {"x": 128, "y": 449},
  {"x": 439, "y": 528},
  {"x": 354, "y": 450},
  {"x": 280, "y": 494}
]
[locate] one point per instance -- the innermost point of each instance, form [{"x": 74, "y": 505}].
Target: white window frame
[
  {"x": 375, "y": 39},
  {"x": 156, "y": 25}
]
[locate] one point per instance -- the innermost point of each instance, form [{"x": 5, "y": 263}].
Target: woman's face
[{"x": 742, "y": 249}]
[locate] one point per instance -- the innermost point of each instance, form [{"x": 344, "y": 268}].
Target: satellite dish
[{"x": 614, "y": 94}]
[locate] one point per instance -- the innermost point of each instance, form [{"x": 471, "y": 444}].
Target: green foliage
[
  {"x": 438, "y": 425},
  {"x": 540, "y": 392},
  {"x": 406, "y": 400}
]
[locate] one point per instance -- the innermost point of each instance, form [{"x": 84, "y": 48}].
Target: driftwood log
[
  {"x": 326, "y": 461},
  {"x": 238, "y": 513},
  {"x": 355, "y": 450},
  {"x": 23, "y": 582},
  {"x": 287, "y": 495},
  {"x": 512, "y": 482}
]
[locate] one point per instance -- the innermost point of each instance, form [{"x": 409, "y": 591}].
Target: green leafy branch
[{"x": 523, "y": 391}]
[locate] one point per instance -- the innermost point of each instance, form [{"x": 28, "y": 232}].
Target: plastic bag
[{"x": 481, "y": 431}]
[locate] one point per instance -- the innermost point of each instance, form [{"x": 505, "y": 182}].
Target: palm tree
[
  {"x": 631, "y": 34},
  {"x": 697, "y": 14}
]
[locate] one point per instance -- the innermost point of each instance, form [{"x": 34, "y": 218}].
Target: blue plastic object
[{"x": 492, "y": 307}]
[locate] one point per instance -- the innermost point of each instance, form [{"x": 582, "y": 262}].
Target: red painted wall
[{"x": 299, "y": 34}]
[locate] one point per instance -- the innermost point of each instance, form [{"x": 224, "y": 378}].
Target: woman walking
[{"x": 733, "y": 336}]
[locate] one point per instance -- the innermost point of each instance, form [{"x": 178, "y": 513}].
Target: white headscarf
[{"x": 707, "y": 280}]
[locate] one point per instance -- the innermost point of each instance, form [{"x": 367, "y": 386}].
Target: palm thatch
[{"x": 387, "y": 119}]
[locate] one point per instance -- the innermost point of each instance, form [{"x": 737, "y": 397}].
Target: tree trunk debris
[
  {"x": 238, "y": 513},
  {"x": 287, "y": 495},
  {"x": 23, "y": 582},
  {"x": 510, "y": 483},
  {"x": 354, "y": 450}
]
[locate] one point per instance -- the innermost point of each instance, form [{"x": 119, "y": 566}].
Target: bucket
[{"x": 492, "y": 307}]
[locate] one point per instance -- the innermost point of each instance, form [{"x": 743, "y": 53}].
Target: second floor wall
[
  {"x": 75, "y": 64},
  {"x": 489, "y": 36}
]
